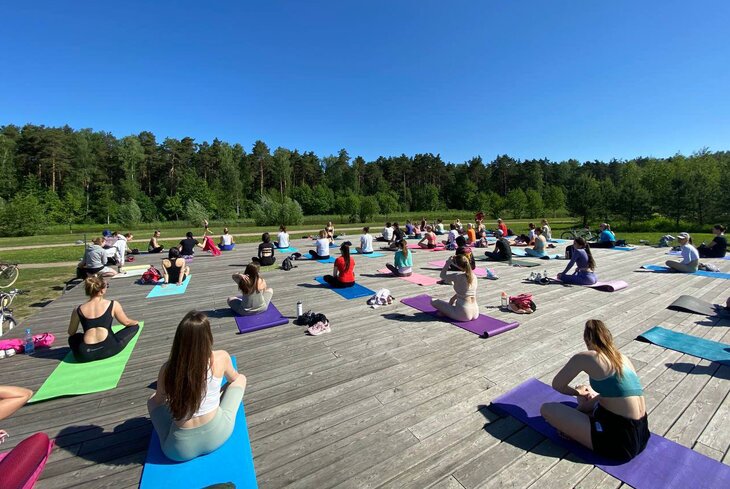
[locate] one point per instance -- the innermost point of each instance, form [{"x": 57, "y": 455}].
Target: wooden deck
[{"x": 388, "y": 399}]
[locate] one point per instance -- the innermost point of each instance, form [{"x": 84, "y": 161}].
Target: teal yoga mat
[
  {"x": 691, "y": 345},
  {"x": 288, "y": 249},
  {"x": 701, "y": 273},
  {"x": 171, "y": 289}
]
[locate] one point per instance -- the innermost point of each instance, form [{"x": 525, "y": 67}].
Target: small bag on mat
[{"x": 522, "y": 304}]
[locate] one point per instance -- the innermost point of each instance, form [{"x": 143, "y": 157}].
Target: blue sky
[{"x": 528, "y": 78}]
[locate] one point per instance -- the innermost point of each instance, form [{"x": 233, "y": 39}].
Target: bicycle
[
  {"x": 571, "y": 234},
  {"x": 9, "y": 273},
  {"x": 7, "y": 321}
]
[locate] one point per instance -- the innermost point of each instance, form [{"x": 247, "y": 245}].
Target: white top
[
  {"x": 121, "y": 246},
  {"x": 453, "y": 234},
  {"x": 323, "y": 247},
  {"x": 366, "y": 243},
  {"x": 547, "y": 232},
  {"x": 531, "y": 234},
  {"x": 226, "y": 239},
  {"x": 283, "y": 239},
  {"x": 388, "y": 233},
  {"x": 212, "y": 398},
  {"x": 440, "y": 227},
  {"x": 689, "y": 254}
]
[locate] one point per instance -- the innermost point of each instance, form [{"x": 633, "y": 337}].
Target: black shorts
[{"x": 616, "y": 437}]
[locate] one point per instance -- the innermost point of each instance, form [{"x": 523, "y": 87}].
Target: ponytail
[
  {"x": 597, "y": 334},
  {"x": 581, "y": 241},
  {"x": 404, "y": 248},
  {"x": 463, "y": 264},
  {"x": 249, "y": 286},
  {"x": 345, "y": 250}
]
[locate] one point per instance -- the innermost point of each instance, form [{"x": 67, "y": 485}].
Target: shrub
[
  {"x": 129, "y": 214},
  {"x": 22, "y": 216},
  {"x": 195, "y": 212},
  {"x": 368, "y": 208},
  {"x": 274, "y": 212}
]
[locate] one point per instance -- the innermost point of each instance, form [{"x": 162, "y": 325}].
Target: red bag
[{"x": 151, "y": 276}]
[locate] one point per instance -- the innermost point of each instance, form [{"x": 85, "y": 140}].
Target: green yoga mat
[
  {"x": 72, "y": 378},
  {"x": 691, "y": 345}
]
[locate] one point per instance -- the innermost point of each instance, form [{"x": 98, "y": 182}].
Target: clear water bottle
[
  {"x": 299, "y": 309},
  {"x": 28, "y": 342},
  {"x": 544, "y": 273},
  {"x": 504, "y": 300}
]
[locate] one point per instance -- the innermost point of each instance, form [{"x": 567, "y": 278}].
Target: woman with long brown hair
[
  {"x": 463, "y": 305},
  {"x": 343, "y": 273},
  {"x": 96, "y": 316},
  {"x": 255, "y": 295},
  {"x": 190, "y": 414},
  {"x": 402, "y": 261},
  {"x": 585, "y": 265},
  {"x": 611, "y": 415}
]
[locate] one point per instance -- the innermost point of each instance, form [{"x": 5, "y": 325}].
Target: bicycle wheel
[
  {"x": 8, "y": 324},
  {"x": 8, "y": 276},
  {"x": 567, "y": 235}
]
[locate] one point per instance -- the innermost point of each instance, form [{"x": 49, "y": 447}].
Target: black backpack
[{"x": 287, "y": 264}]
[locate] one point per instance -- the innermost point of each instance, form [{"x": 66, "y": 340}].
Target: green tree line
[{"x": 58, "y": 175}]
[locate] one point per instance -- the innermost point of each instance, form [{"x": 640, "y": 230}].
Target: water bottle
[
  {"x": 504, "y": 299},
  {"x": 28, "y": 342},
  {"x": 544, "y": 273},
  {"x": 299, "y": 309}
]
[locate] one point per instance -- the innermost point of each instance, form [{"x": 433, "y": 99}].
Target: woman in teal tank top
[{"x": 610, "y": 418}]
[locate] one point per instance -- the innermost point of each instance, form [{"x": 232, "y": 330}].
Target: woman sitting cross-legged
[
  {"x": 537, "y": 251},
  {"x": 174, "y": 268},
  {"x": 189, "y": 412},
  {"x": 429, "y": 238},
  {"x": 366, "y": 242},
  {"x": 582, "y": 258},
  {"x": 266, "y": 252},
  {"x": 227, "y": 242},
  {"x": 502, "y": 249},
  {"x": 611, "y": 415},
  {"x": 282, "y": 240},
  {"x": 154, "y": 246},
  {"x": 343, "y": 273},
  {"x": 690, "y": 256},
  {"x": 717, "y": 247},
  {"x": 322, "y": 247},
  {"x": 606, "y": 239},
  {"x": 463, "y": 305},
  {"x": 255, "y": 295},
  {"x": 96, "y": 317},
  {"x": 402, "y": 261}
]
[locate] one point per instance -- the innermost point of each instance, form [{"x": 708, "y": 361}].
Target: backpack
[
  {"x": 287, "y": 264},
  {"x": 151, "y": 276},
  {"x": 522, "y": 304},
  {"x": 310, "y": 318}
]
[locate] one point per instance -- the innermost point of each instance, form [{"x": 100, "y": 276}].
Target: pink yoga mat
[
  {"x": 483, "y": 326},
  {"x": 479, "y": 272},
  {"x": 415, "y": 278}
]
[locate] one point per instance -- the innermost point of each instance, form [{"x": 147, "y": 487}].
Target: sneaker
[
  {"x": 2, "y": 354},
  {"x": 9, "y": 352},
  {"x": 531, "y": 277},
  {"x": 491, "y": 274},
  {"x": 318, "y": 329}
]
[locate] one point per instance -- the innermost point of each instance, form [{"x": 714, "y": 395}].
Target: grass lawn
[{"x": 43, "y": 285}]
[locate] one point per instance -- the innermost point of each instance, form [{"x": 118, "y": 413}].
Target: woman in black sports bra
[
  {"x": 96, "y": 318},
  {"x": 174, "y": 268}
]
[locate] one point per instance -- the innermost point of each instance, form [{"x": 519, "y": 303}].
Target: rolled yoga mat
[
  {"x": 232, "y": 462},
  {"x": 483, "y": 326},
  {"x": 170, "y": 289},
  {"x": 691, "y": 345},
  {"x": 687, "y": 303},
  {"x": 605, "y": 286},
  {"x": 71, "y": 378},
  {"x": 479, "y": 272},
  {"x": 267, "y": 319},
  {"x": 354, "y": 292},
  {"x": 624, "y": 248},
  {"x": 701, "y": 273},
  {"x": 415, "y": 278},
  {"x": 663, "y": 464}
]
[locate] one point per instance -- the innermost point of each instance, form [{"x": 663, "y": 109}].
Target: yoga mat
[
  {"x": 31, "y": 480},
  {"x": 267, "y": 319},
  {"x": 354, "y": 292},
  {"x": 289, "y": 249},
  {"x": 232, "y": 462},
  {"x": 483, "y": 326},
  {"x": 71, "y": 378},
  {"x": 479, "y": 272},
  {"x": 171, "y": 289},
  {"x": 415, "y": 278},
  {"x": 415, "y": 246},
  {"x": 560, "y": 241},
  {"x": 605, "y": 286},
  {"x": 374, "y": 254},
  {"x": 625, "y": 248},
  {"x": 687, "y": 303},
  {"x": 132, "y": 273},
  {"x": 691, "y": 345},
  {"x": 141, "y": 266},
  {"x": 663, "y": 464},
  {"x": 329, "y": 259},
  {"x": 520, "y": 263},
  {"x": 701, "y": 273},
  {"x": 523, "y": 253}
]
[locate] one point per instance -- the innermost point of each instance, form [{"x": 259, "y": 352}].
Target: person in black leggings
[
  {"x": 266, "y": 252},
  {"x": 96, "y": 317}
]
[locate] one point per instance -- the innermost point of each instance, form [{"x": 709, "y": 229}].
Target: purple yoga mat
[
  {"x": 483, "y": 325},
  {"x": 663, "y": 464},
  {"x": 414, "y": 278},
  {"x": 272, "y": 317}
]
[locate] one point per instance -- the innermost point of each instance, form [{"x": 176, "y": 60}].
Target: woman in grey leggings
[
  {"x": 690, "y": 256},
  {"x": 190, "y": 413}
]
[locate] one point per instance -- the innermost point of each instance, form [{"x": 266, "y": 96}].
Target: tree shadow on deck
[
  {"x": 91, "y": 442},
  {"x": 690, "y": 368}
]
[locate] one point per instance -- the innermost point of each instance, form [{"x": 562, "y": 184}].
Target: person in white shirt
[
  {"x": 119, "y": 250},
  {"x": 546, "y": 231},
  {"x": 450, "y": 241},
  {"x": 322, "y": 247},
  {"x": 690, "y": 256},
  {"x": 227, "y": 243},
  {"x": 439, "y": 227},
  {"x": 387, "y": 234},
  {"x": 366, "y": 242},
  {"x": 282, "y": 238}
]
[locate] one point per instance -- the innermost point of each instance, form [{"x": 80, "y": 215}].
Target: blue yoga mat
[
  {"x": 330, "y": 259},
  {"x": 232, "y": 462},
  {"x": 701, "y": 273},
  {"x": 374, "y": 254},
  {"x": 560, "y": 241},
  {"x": 691, "y": 345},
  {"x": 624, "y": 248},
  {"x": 171, "y": 289},
  {"x": 354, "y": 292},
  {"x": 289, "y": 249}
]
